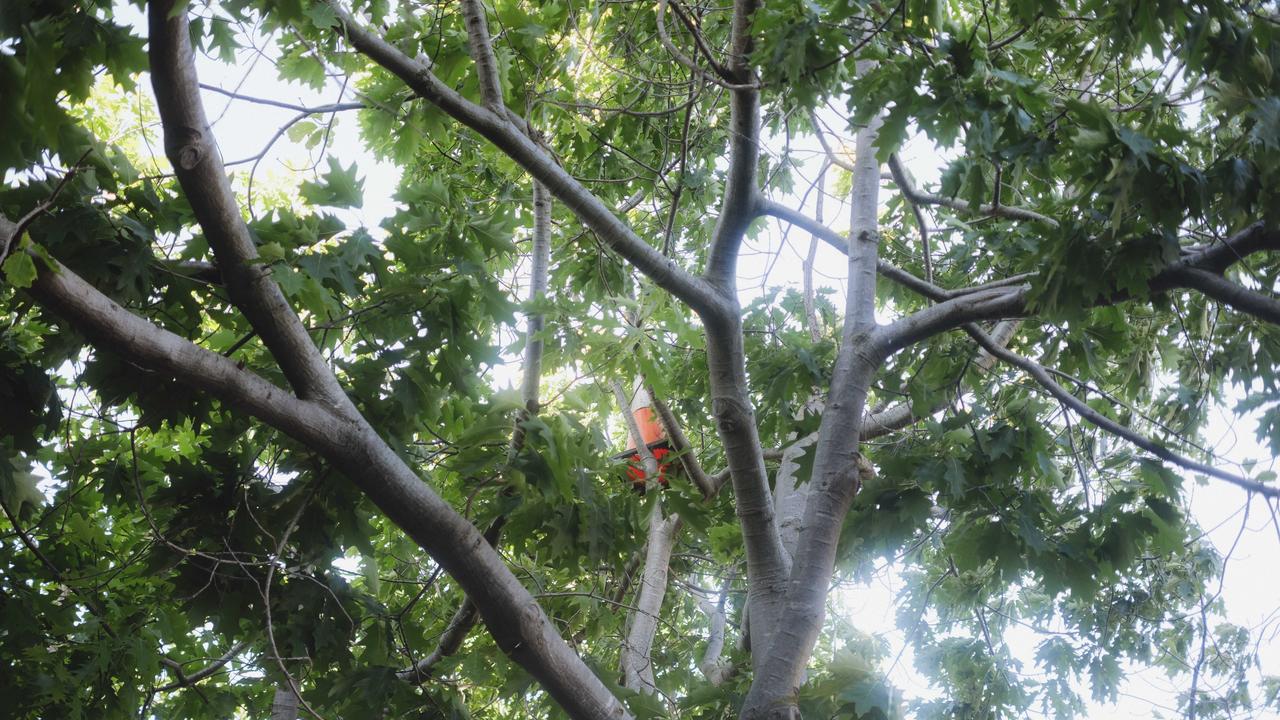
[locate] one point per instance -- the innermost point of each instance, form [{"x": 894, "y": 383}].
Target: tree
[{"x": 275, "y": 469}]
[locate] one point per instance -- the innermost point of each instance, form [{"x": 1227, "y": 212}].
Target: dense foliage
[{"x": 155, "y": 527}]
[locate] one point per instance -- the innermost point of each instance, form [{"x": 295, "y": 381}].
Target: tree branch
[
  {"x": 464, "y": 618},
  {"x": 738, "y": 206},
  {"x": 899, "y": 416},
  {"x": 810, "y": 298},
  {"x": 13, "y": 235},
  {"x": 514, "y": 618},
  {"x": 512, "y": 141},
  {"x": 1041, "y": 376},
  {"x": 767, "y": 561},
  {"x": 1199, "y": 269},
  {"x": 109, "y": 325},
  {"x": 482, "y": 54},
  {"x": 284, "y": 704},
  {"x": 902, "y": 178},
  {"x": 990, "y": 304},
  {"x": 1202, "y": 269},
  {"x": 1228, "y": 293},
  {"x": 699, "y": 40},
  {"x": 680, "y": 443},
  {"x": 713, "y": 668},
  {"x": 308, "y": 109},
  {"x": 190, "y": 146},
  {"x": 721, "y": 75},
  {"x": 637, "y": 661},
  {"x": 832, "y": 156},
  {"x": 838, "y": 469},
  {"x": 841, "y": 243},
  {"x": 874, "y": 425},
  {"x": 540, "y": 262},
  {"x": 790, "y": 496},
  {"x": 735, "y": 417},
  {"x": 1219, "y": 256},
  {"x": 734, "y": 414}
]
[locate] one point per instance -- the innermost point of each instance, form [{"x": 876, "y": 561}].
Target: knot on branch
[
  {"x": 869, "y": 236},
  {"x": 731, "y": 413},
  {"x": 860, "y": 472},
  {"x": 531, "y": 624},
  {"x": 188, "y": 149}
]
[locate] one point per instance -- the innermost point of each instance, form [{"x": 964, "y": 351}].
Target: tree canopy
[{"x": 269, "y": 450}]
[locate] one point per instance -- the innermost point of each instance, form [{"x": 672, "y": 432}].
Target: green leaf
[
  {"x": 271, "y": 252},
  {"x": 300, "y": 130},
  {"x": 20, "y": 269},
  {"x": 298, "y": 64},
  {"x": 321, "y": 15},
  {"x": 338, "y": 187},
  {"x": 19, "y": 488}
]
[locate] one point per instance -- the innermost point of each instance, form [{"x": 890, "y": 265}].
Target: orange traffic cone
[{"x": 652, "y": 435}]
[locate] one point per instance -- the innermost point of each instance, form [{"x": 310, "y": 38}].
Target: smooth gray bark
[
  {"x": 482, "y": 54},
  {"x": 539, "y": 266},
  {"x": 713, "y": 667},
  {"x": 838, "y": 469},
  {"x": 284, "y": 705},
  {"x": 189, "y": 145},
  {"x": 791, "y": 493},
  {"x": 637, "y": 662},
  {"x": 767, "y": 562}
]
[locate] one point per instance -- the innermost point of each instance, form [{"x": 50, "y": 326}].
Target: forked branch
[
  {"x": 189, "y": 144},
  {"x": 1200, "y": 269},
  {"x": 719, "y": 75},
  {"x": 185, "y": 680}
]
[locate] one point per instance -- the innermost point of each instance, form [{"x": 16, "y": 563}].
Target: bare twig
[
  {"x": 12, "y": 237},
  {"x": 204, "y": 672},
  {"x": 919, "y": 197}
]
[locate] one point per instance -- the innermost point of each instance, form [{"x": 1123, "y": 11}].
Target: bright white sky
[{"x": 1251, "y": 589}]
